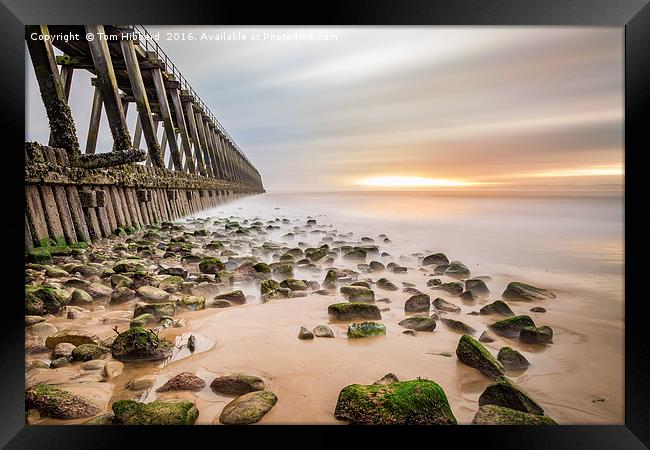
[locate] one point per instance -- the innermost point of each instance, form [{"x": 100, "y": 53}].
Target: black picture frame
[{"x": 634, "y": 15}]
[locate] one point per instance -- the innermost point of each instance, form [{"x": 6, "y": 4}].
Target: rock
[
  {"x": 389, "y": 378},
  {"x": 410, "y": 332},
  {"x": 262, "y": 268},
  {"x": 98, "y": 291},
  {"x": 113, "y": 369},
  {"x": 123, "y": 294},
  {"x": 75, "y": 337},
  {"x": 32, "y": 417},
  {"x": 80, "y": 297},
  {"x": 386, "y": 285},
  {"x": 52, "y": 401},
  {"x": 218, "y": 304},
  {"x": 138, "y": 344},
  {"x": 356, "y": 254},
  {"x": 419, "y": 323},
  {"x": 457, "y": 269},
  {"x": 467, "y": 296},
  {"x": 452, "y": 288},
  {"x": 42, "y": 329},
  {"x": 210, "y": 265},
  {"x": 294, "y": 285},
  {"x": 304, "y": 333},
  {"x": 504, "y": 392},
  {"x": 234, "y": 297},
  {"x": 72, "y": 315},
  {"x": 497, "y": 307},
  {"x": 457, "y": 325},
  {"x": 158, "y": 310},
  {"x": 498, "y": 415},
  {"x": 511, "y": 326},
  {"x": 415, "y": 402},
  {"x": 282, "y": 271},
  {"x": 142, "y": 320},
  {"x": 102, "y": 419},
  {"x": 354, "y": 311},
  {"x": 119, "y": 280},
  {"x": 152, "y": 294},
  {"x": 39, "y": 255},
  {"x": 237, "y": 384},
  {"x": 512, "y": 359},
  {"x": 366, "y": 329},
  {"x": 538, "y": 309},
  {"x": 443, "y": 305},
  {"x": 128, "y": 265},
  {"x": 93, "y": 364},
  {"x": 129, "y": 412},
  {"x": 248, "y": 408},
  {"x": 433, "y": 282},
  {"x": 376, "y": 266},
  {"x": 55, "y": 272},
  {"x": 418, "y": 303},
  {"x": 63, "y": 350},
  {"x": 172, "y": 283},
  {"x": 42, "y": 300},
  {"x": 536, "y": 335},
  {"x": 517, "y": 291},
  {"x": 32, "y": 320},
  {"x": 486, "y": 336},
  {"x": 358, "y": 294},
  {"x": 86, "y": 352},
  {"x": 174, "y": 271},
  {"x": 331, "y": 280},
  {"x": 60, "y": 362},
  {"x": 323, "y": 331},
  {"x": 192, "y": 302},
  {"x": 477, "y": 287},
  {"x": 191, "y": 343},
  {"x": 436, "y": 259},
  {"x": 184, "y": 381},
  {"x": 142, "y": 382},
  {"x": 472, "y": 353}
]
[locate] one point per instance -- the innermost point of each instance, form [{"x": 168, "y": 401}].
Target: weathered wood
[
  {"x": 117, "y": 158},
  {"x": 116, "y": 201},
  {"x": 216, "y": 150},
  {"x": 62, "y": 128},
  {"x": 91, "y": 216},
  {"x": 198, "y": 149},
  {"x": 126, "y": 210},
  {"x": 165, "y": 112},
  {"x": 78, "y": 218},
  {"x": 51, "y": 214},
  {"x": 102, "y": 215},
  {"x": 95, "y": 120},
  {"x": 108, "y": 86},
  {"x": 140, "y": 95},
  {"x": 35, "y": 214},
  {"x": 62, "y": 202},
  {"x": 29, "y": 240},
  {"x": 210, "y": 145},
  {"x": 182, "y": 129},
  {"x": 198, "y": 119},
  {"x": 110, "y": 209}
]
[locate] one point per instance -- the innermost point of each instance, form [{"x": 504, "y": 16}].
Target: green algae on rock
[
  {"x": 354, "y": 311},
  {"x": 138, "y": 344},
  {"x": 499, "y": 415},
  {"x": 511, "y": 326},
  {"x": 518, "y": 291},
  {"x": 248, "y": 408},
  {"x": 366, "y": 329},
  {"x": 210, "y": 265},
  {"x": 130, "y": 412},
  {"x": 52, "y": 401},
  {"x": 474, "y": 354},
  {"x": 512, "y": 359},
  {"x": 237, "y": 384},
  {"x": 86, "y": 352},
  {"x": 415, "y": 402},
  {"x": 504, "y": 392},
  {"x": 419, "y": 323}
]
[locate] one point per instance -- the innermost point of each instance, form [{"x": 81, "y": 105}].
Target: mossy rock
[
  {"x": 237, "y": 384},
  {"x": 248, "y": 408},
  {"x": 443, "y": 305},
  {"x": 157, "y": 309},
  {"x": 477, "y": 287},
  {"x": 331, "y": 280},
  {"x": 130, "y": 412},
  {"x": 415, "y": 402},
  {"x": 102, "y": 419},
  {"x": 386, "y": 285},
  {"x": 512, "y": 359},
  {"x": 128, "y": 265},
  {"x": 152, "y": 294},
  {"x": 453, "y": 288},
  {"x": 419, "y": 323},
  {"x": 294, "y": 285},
  {"x": 142, "y": 320},
  {"x": 354, "y": 311},
  {"x": 498, "y": 415},
  {"x": 517, "y": 291},
  {"x": 268, "y": 287},
  {"x": 262, "y": 268},
  {"x": 52, "y": 401},
  {"x": 34, "y": 306},
  {"x": 210, "y": 265},
  {"x": 86, "y": 352},
  {"x": 435, "y": 259},
  {"x": 79, "y": 245},
  {"x": 457, "y": 269},
  {"x": 192, "y": 302},
  {"x": 138, "y": 344},
  {"x": 130, "y": 229},
  {"x": 366, "y": 329},
  {"x": 74, "y": 337},
  {"x": 511, "y": 327},
  {"x": 497, "y": 307},
  {"x": 536, "y": 335},
  {"x": 418, "y": 303},
  {"x": 474, "y": 354},
  {"x": 53, "y": 299},
  {"x": 39, "y": 255},
  {"x": 233, "y": 296},
  {"x": 504, "y": 392}
]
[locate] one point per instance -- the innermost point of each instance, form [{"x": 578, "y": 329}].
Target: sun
[{"x": 412, "y": 181}]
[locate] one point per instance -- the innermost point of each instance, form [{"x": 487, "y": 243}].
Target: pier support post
[
  {"x": 194, "y": 133},
  {"x": 95, "y": 119},
  {"x": 62, "y": 128},
  {"x": 172, "y": 87},
  {"x": 165, "y": 112},
  {"x": 108, "y": 86}
]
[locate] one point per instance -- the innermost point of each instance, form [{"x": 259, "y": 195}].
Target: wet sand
[{"x": 577, "y": 380}]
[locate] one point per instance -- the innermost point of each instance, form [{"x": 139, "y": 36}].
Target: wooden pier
[{"x": 83, "y": 196}]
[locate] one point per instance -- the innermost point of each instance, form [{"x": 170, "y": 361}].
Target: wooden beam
[
  {"x": 62, "y": 128},
  {"x": 165, "y": 112},
  {"x": 108, "y": 86},
  {"x": 182, "y": 129},
  {"x": 199, "y": 150},
  {"x": 142, "y": 103},
  {"x": 207, "y": 128},
  {"x": 95, "y": 119}
]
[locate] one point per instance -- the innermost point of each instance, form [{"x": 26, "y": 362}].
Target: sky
[{"x": 400, "y": 107}]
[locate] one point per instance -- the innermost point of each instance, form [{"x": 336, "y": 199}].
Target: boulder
[
  {"x": 497, "y": 307},
  {"x": 75, "y": 337},
  {"x": 128, "y": 265},
  {"x": 443, "y": 305},
  {"x": 304, "y": 334},
  {"x": 63, "y": 350},
  {"x": 458, "y": 270},
  {"x": 233, "y": 297},
  {"x": 172, "y": 283},
  {"x": 323, "y": 331},
  {"x": 130, "y": 412},
  {"x": 435, "y": 259},
  {"x": 418, "y": 303},
  {"x": 419, "y": 323},
  {"x": 192, "y": 302},
  {"x": 386, "y": 285},
  {"x": 294, "y": 285},
  {"x": 511, "y": 327},
  {"x": 517, "y": 291},
  {"x": 80, "y": 297},
  {"x": 152, "y": 294},
  {"x": 486, "y": 336},
  {"x": 52, "y": 401},
  {"x": 123, "y": 294},
  {"x": 158, "y": 310},
  {"x": 415, "y": 402},
  {"x": 457, "y": 325},
  {"x": 210, "y": 265},
  {"x": 184, "y": 381},
  {"x": 454, "y": 288},
  {"x": 138, "y": 344},
  {"x": 536, "y": 335},
  {"x": 366, "y": 329},
  {"x": 236, "y": 384},
  {"x": 248, "y": 408},
  {"x": 472, "y": 353},
  {"x": 504, "y": 392},
  {"x": 86, "y": 352},
  {"x": 512, "y": 359},
  {"x": 354, "y": 311},
  {"x": 498, "y": 415},
  {"x": 477, "y": 287}
]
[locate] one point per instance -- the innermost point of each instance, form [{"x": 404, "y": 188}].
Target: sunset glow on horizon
[{"x": 412, "y": 181}]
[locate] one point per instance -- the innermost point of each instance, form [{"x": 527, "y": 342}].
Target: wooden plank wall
[{"x": 71, "y": 213}]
